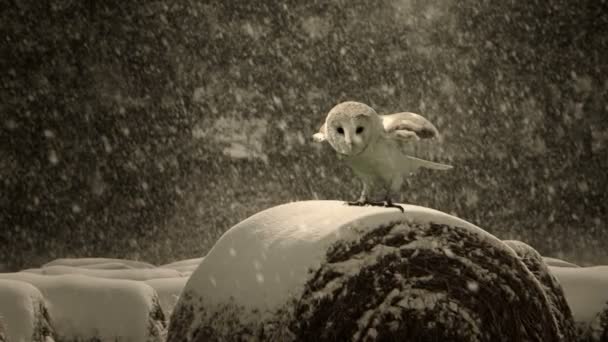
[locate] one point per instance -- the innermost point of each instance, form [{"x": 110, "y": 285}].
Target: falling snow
[{"x": 145, "y": 131}]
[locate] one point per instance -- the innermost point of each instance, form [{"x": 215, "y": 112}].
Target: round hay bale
[
  {"x": 79, "y": 262},
  {"x": 559, "y": 306},
  {"x": 558, "y": 262},
  {"x": 596, "y": 330},
  {"x": 586, "y": 290},
  {"x": 601, "y": 326},
  {"x": 2, "y": 331},
  {"x": 423, "y": 283},
  {"x": 323, "y": 271},
  {"x": 23, "y": 313},
  {"x": 85, "y": 309}
]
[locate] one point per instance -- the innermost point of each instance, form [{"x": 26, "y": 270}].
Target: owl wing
[
  {"x": 319, "y": 136},
  {"x": 408, "y": 126}
]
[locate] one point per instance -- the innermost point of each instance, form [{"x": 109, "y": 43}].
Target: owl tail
[{"x": 428, "y": 164}]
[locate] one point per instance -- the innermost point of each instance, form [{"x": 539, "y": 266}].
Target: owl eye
[
  {"x": 359, "y": 130},
  {"x": 340, "y": 130}
]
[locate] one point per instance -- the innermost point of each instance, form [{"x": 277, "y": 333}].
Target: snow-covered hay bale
[
  {"x": 78, "y": 262},
  {"x": 559, "y": 306},
  {"x": 586, "y": 290},
  {"x": 323, "y": 271},
  {"x": 129, "y": 274},
  {"x": 3, "y": 337},
  {"x": 185, "y": 262},
  {"x": 558, "y": 262},
  {"x": 83, "y": 308},
  {"x": 108, "y": 266},
  {"x": 168, "y": 290},
  {"x": 23, "y": 313},
  {"x": 597, "y": 331},
  {"x": 188, "y": 265}
]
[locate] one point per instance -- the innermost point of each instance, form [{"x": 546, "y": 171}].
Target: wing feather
[{"x": 408, "y": 126}]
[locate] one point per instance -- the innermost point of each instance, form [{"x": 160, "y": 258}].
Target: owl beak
[{"x": 349, "y": 143}]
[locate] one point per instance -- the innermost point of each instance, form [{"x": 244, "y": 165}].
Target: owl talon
[
  {"x": 375, "y": 204},
  {"x": 362, "y": 203},
  {"x": 389, "y": 204},
  {"x": 356, "y": 203}
]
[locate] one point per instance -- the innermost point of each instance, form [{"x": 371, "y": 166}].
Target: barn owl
[{"x": 373, "y": 146}]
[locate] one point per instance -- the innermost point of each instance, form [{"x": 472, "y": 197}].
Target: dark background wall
[{"x": 144, "y": 129}]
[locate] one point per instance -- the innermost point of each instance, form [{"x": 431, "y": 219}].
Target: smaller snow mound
[
  {"x": 559, "y": 306},
  {"x": 23, "y": 313},
  {"x": 586, "y": 290},
  {"x": 92, "y": 309},
  {"x": 76, "y": 262},
  {"x": 129, "y": 274},
  {"x": 168, "y": 290}
]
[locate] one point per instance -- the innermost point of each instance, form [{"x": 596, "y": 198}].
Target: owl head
[{"x": 350, "y": 127}]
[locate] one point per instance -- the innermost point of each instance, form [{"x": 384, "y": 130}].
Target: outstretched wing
[
  {"x": 319, "y": 136},
  {"x": 408, "y": 126}
]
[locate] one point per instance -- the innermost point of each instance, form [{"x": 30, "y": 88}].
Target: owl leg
[
  {"x": 364, "y": 198},
  {"x": 395, "y": 187},
  {"x": 389, "y": 204}
]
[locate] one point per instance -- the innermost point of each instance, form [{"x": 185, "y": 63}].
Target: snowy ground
[{"x": 259, "y": 264}]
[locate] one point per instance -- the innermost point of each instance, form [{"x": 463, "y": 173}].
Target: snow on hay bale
[
  {"x": 3, "y": 337},
  {"x": 23, "y": 313},
  {"x": 586, "y": 290},
  {"x": 130, "y": 274},
  {"x": 559, "y": 306},
  {"x": 188, "y": 265},
  {"x": 83, "y": 308},
  {"x": 168, "y": 290},
  {"x": 108, "y": 266},
  {"x": 185, "y": 262},
  {"x": 324, "y": 271},
  {"x": 558, "y": 262},
  {"x": 78, "y": 262}
]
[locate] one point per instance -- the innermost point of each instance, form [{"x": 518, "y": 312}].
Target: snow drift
[
  {"x": 23, "y": 313},
  {"x": 83, "y": 308},
  {"x": 323, "y": 271}
]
